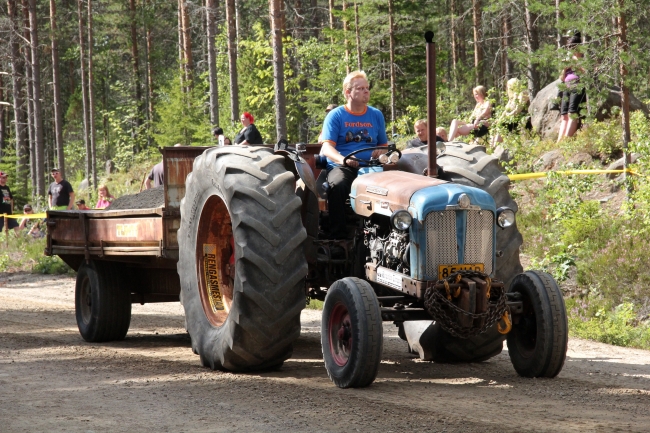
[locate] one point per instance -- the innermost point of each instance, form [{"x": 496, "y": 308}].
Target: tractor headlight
[
  {"x": 464, "y": 201},
  {"x": 505, "y": 217},
  {"x": 401, "y": 220},
  {"x": 394, "y": 157},
  {"x": 383, "y": 158}
]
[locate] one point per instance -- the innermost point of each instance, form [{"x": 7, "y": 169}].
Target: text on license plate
[{"x": 446, "y": 270}]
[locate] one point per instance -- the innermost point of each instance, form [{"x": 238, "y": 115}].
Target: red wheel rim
[{"x": 340, "y": 334}]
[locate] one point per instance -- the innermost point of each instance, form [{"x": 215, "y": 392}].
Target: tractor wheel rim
[
  {"x": 86, "y": 302},
  {"x": 340, "y": 335},
  {"x": 526, "y": 331}
]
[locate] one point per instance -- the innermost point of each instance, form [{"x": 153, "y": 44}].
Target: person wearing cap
[
  {"x": 60, "y": 194},
  {"x": 6, "y": 203},
  {"x": 81, "y": 204},
  {"x": 34, "y": 225},
  {"x": 249, "y": 133}
]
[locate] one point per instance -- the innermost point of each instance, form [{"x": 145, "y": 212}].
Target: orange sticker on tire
[{"x": 211, "y": 275}]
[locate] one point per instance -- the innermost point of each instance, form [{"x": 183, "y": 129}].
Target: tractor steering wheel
[{"x": 372, "y": 162}]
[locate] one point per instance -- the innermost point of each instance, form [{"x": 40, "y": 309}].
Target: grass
[{"x": 24, "y": 254}]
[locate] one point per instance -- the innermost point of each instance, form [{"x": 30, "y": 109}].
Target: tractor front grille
[{"x": 442, "y": 241}]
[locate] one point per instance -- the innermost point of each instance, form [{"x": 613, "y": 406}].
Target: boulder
[
  {"x": 549, "y": 160},
  {"x": 580, "y": 158},
  {"x": 619, "y": 164},
  {"x": 109, "y": 167},
  {"x": 547, "y": 122},
  {"x": 83, "y": 185}
]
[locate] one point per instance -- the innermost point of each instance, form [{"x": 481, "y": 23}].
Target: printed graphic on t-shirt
[{"x": 6, "y": 197}]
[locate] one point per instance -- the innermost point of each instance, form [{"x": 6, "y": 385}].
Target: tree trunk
[
  {"x": 478, "y": 44},
  {"x": 232, "y": 61},
  {"x": 148, "y": 47},
  {"x": 91, "y": 99},
  {"x": 345, "y": 39},
  {"x": 39, "y": 156},
  {"x": 187, "y": 42},
  {"x": 278, "y": 69},
  {"x": 558, "y": 17},
  {"x": 136, "y": 63},
  {"x": 454, "y": 41},
  {"x": 27, "y": 53},
  {"x": 506, "y": 43},
  {"x": 625, "y": 92},
  {"x": 84, "y": 89},
  {"x": 391, "y": 42},
  {"x": 331, "y": 12},
  {"x": 3, "y": 132},
  {"x": 56, "y": 88},
  {"x": 181, "y": 56},
  {"x": 358, "y": 37},
  {"x": 17, "y": 74},
  {"x": 211, "y": 9},
  {"x": 532, "y": 44}
]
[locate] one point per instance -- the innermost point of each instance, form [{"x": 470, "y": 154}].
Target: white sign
[{"x": 389, "y": 278}]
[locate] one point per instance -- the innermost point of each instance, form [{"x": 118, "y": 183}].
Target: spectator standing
[
  {"x": 477, "y": 125},
  {"x": 6, "y": 203},
  {"x": 249, "y": 133},
  {"x": 105, "y": 197},
  {"x": 573, "y": 94},
  {"x": 353, "y": 126},
  {"x": 81, "y": 204},
  {"x": 156, "y": 175},
  {"x": 217, "y": 133},
  {"x": 60, "y": 194},
  {"x": 33, "y": 225}
]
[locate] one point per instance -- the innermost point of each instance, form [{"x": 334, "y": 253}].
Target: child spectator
[
  {"x": 81, "y": 204},
  {"x": 105, "y": 197},
  {"x": 34, "y": 225}
]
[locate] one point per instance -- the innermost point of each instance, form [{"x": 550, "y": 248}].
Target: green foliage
[
  {"x": 182, "y": 118},
  {"x": 594, "y": 320},
  {"x": 315, "y": 304},
  {"x": 25, "y": 253}
]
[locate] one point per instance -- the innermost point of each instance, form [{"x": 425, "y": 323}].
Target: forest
[{"x": 89, "y": 81}]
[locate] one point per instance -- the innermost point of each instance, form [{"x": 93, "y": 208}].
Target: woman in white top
[{"x": 477, "y": 125}]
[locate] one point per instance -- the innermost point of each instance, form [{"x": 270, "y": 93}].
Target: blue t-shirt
[{"x": 349, "y": 131}]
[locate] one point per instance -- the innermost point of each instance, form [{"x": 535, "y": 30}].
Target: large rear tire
[
  {"x": 242, "y": 264},
  {"x": 351, "y": 333},
  {"x": 102, "y": 304},
  {"x": 537, "y": 343}
]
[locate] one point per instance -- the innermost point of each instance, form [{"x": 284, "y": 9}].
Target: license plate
[{"x": 446, "y": 270}]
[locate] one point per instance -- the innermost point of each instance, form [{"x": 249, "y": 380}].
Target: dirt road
[{"x": 51, "y": 380}]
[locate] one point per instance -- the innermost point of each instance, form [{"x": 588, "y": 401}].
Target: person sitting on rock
[
  {"x": 477, "y": 125},
  {"x": 511, "y": 116}
]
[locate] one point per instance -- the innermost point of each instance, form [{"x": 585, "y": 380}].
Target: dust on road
[{"x": 51, "y": 380}]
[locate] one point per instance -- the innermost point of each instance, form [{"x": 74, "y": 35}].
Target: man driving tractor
[{"x": 353, "y": 126}]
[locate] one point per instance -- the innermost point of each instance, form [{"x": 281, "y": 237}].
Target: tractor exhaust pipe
[{"x": 431, "y": 103}]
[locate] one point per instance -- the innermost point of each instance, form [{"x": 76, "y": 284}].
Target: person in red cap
[
  {"x": 6, "y": 204},
  {"x": 249, "y": 133}
]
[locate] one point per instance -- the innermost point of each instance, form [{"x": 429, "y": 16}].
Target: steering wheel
[{"x": 372, "y": 162}]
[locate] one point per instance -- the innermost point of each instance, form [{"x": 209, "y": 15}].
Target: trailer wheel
[
  {"x": 241, "y": 259},
  {"x": 351, "y": 333},
  {"x": 537, "y": 343},
  {"x": 102, "y": 305}
]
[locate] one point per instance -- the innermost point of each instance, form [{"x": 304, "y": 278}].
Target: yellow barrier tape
[
  {"x": 545, "y": 173},
  {"x": 30, "y": 216}
]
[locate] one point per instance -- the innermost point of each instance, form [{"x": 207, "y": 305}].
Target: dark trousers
[{"x": 340, "y": 181}]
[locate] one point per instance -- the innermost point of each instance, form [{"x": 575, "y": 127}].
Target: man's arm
[
  {"x": 147, "y": 183},
  {"x": 71, "y": 203},
  {"x": 329, "y": 150},
  {"x": 49, "y": 199}
]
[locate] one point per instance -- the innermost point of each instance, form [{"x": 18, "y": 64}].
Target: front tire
[
  {"x": 351, "y": 333},
  {"x": 537, "y": 344},
  {"x": 102, "y": 305},
  {"x": 242, "y": 264}
]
